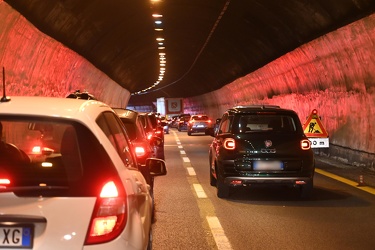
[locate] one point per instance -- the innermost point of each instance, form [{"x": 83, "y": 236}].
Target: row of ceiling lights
[{"x": 158, "y": 27}]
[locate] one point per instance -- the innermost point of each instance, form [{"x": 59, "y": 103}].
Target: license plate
[
  {"x": 200, "y": 126},
  {"x": 268, "y": 165},
  {"x": 17, "y": 236}
]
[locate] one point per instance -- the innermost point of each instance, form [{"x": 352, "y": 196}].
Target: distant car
[
  {"x": 199, "y": 124},
  {"x": 183, "y": 120},
  {"x": 69, "y": 178},
  {"x": 143, "y": 147},
  {"x": 260, "y": 145},
  {"x": 165, "y": 123},
  {"x": 151, "y": 131}
]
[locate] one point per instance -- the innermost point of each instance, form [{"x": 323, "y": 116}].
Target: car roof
[
  {"x": 78, "y": 109},
  {"x": 259, "y": 108}
]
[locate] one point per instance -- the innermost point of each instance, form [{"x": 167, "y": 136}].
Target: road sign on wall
[
  {"x": 313, "y": 127},
  {"x": 174, "y": 105},
  {"x": 315, "y": 131}
]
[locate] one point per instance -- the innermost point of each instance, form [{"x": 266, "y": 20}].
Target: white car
[{"x": 69, "y": 179}]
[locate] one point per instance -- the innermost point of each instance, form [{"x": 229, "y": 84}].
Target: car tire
[
  {"x": 213, "y": 180},
  {"x": 306, "y": 190},
  {"x": 189, "y": 133},
  {"x": 222, "y": 189}
]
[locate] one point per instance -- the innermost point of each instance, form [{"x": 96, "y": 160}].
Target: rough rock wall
[
  {"x": 334, "y": 74},
  {"x": 37, "y": 65}
]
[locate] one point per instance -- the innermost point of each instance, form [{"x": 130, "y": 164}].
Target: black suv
[{"x": 260, "y": 145}]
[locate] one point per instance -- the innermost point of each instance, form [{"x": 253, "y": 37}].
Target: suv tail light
[
  {"x": 229, "y": 143},
  {"x": 305, "y": 144},
  {"x": 140, "y": 151},
  {"x": 109, "y": 216}
]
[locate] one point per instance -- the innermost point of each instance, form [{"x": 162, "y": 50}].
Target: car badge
[{"x": 268, "y": 143}]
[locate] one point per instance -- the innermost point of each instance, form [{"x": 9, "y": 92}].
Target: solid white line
[
  {"x": 199, "y": 191},
  {"x": 182, "y": 152},
  {"x": 191, "y": 171},
  {"x": 186, "y": 159},
  {"x": 217, "y": 231}
]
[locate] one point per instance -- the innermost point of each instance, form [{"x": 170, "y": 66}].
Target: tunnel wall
[
  {"x": 334, "y": 74},
  {"x": 37, "y": 65}
]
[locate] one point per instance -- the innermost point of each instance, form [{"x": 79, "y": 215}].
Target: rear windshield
[
  {"x": 61, "y": 155},
  {"x": 261, "y": 123},
  {"x": 200, "y": 118}
]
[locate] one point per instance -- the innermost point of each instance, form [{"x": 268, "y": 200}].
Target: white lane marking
[
  {"x": 199, "y": 191},
  {"x": 217, "y": 231},
  {"x": 178, "y": 142},
  {"x": 191, "y": 171},
  {"x": 182, "y": 152},
  {"x": 186, "y": 159},
  {"x": 180, "y": 146}
]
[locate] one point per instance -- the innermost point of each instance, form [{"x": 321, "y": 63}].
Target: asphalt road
[{"x": 189, "y": 215}]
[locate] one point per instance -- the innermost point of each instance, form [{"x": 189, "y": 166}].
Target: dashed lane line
[{"x": 206, "y": 208}]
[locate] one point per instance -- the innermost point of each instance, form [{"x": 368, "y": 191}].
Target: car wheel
[
  {"x": 222, "y": 189},
  {"x": 306, "y": 190},
  {"x": 212, "y": 179},
  {"x": 189, "y": 133}
]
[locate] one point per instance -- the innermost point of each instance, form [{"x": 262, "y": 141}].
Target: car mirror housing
[{"x": 157, "y": 166}]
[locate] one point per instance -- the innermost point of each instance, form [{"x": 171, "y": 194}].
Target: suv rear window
[
  {"x": 266, "y": 122},
  {"x": 62, "y": 155}
]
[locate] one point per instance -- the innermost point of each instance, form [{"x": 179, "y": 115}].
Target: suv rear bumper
[{"x": 245, "y": 181}]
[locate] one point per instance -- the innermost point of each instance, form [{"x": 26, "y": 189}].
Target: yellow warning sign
[{"x": 313, "y": 127}]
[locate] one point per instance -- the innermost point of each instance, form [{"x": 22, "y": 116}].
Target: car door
[{"x": 115, "y": 131}]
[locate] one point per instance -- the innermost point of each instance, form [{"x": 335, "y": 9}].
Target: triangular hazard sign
[{"x": 313, "y": 127}]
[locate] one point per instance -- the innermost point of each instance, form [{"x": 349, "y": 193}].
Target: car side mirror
[{"x": 156, "y": 166}]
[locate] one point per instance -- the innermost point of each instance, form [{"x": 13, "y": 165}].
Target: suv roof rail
[{"x": 261, "y": 106}]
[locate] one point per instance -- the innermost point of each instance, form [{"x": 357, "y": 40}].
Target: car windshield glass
[
  {"x": 36, "y": 153},
  {"x": 261, "y": 123},
  {"x": 200, "y": 118}
]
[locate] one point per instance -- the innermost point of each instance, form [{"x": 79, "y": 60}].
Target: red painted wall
[
  {"x": 37, "y": 65},
  {"x": 334, "y": 74}
]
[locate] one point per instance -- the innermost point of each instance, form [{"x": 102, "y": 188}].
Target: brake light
[
  {"x": 149, "y": 136},
  {"x": 305, "y": 144},
  {"x": 109, "y": 216},
  {"x": 229, "y": 143},
  {"x": 4, "y": 181},
  {"x": 140, "y": 151},
  {"x": 209, "y": 121}
]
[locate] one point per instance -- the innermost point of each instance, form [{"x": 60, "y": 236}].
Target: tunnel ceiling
[{"x": 207, "y": 43}]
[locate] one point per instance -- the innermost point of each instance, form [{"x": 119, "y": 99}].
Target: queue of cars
[{"x": 69, "y": 177}]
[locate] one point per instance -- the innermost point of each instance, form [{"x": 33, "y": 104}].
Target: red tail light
[
  {"x": 209, "y": 121},
  {"x": 109, "y": 216},
  {"x": 140, "y": 151},
  {"x": 4, "y": 181},
  {"x": 229, "y": 143},
  {"x": 149, "y": 136},
  {"x": 305, "y": 144}
]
